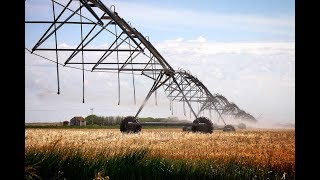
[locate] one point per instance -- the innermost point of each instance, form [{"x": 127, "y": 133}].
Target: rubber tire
[
  {"x": 204, "y": 129},
  {"x": 229, "y": 128},
  {"x": 124, "y": 125}
]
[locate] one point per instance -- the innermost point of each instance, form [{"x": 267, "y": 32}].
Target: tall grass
[
  {"x": 73, "y": 164},
  {"x": 154, "y": 154}
]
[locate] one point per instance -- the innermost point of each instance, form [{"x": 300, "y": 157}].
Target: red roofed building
[{"x": 77, "y": 121}]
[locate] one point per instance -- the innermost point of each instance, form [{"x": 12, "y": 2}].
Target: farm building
[
  {"x": 65, "y": 123},
  {"x": 77, "y": 121}
]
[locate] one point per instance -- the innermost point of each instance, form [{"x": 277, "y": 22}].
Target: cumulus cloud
[
  {"x": 200, "y": 39},
  {"x": 258, "y": 77}
]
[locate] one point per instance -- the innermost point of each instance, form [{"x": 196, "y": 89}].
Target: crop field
[{"x": 158, "y": 154}]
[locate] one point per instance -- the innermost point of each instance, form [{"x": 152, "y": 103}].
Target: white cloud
[
  {"x": 200, "y": 39},
  {"x": 210, "y": 48},
  {"x": 258, "y": 77}
]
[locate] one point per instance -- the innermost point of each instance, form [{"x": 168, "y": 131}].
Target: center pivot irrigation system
[{"x": 128, "y": 52}]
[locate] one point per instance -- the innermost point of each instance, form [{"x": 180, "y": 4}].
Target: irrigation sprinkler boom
[{"x": 129, "y": 51}]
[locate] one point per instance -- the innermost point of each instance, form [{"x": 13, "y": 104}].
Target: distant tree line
[
  {"x": 116, "y": 120},
  {"x": 151, "y": 119},
  {"x": 103, "y": 120}
]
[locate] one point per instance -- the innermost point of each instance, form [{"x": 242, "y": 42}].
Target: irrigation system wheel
[
  {"x": 204, "y": 129},
  {"x": 124, "y": 127},
  {"x": 228, "y": 128}
]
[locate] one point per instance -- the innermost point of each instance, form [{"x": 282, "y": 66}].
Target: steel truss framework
[{"x": 128, "y": 51}]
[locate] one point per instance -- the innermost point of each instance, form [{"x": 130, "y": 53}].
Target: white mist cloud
[{"x": 257, "y": 76}]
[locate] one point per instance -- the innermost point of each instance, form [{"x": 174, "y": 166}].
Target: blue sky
[
  {"x": 244, "y": 50},
  {"x": 227, "y": 21},
  {"x": 266, "y": 7}
]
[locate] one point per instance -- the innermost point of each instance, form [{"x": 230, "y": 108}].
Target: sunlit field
[{"x": 240, "y": 154}]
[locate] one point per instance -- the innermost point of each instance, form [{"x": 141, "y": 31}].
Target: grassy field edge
[{"x": 72, "y": 164}]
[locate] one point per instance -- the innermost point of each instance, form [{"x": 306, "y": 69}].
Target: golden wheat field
[{"x": 274, "y": 148}]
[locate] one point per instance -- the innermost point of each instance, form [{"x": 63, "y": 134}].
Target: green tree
[{"x": 91, "y": 119}]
